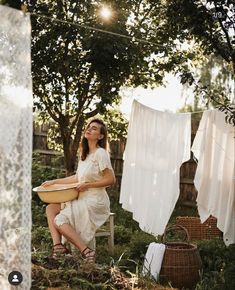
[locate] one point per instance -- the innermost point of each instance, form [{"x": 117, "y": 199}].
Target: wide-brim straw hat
[{"x": 57, "y": 193}]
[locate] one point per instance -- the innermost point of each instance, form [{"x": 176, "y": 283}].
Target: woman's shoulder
[{"x": 101, "y": 152}]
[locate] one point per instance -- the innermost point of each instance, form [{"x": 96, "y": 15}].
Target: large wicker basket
[
  {"x": 181, "y": 263},
  {"x": 197, "y": 230}
]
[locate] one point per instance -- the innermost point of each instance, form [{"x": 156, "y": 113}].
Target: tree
[
  {"x": 78, "y": 70},
  {"x": 211, "y": 24}
]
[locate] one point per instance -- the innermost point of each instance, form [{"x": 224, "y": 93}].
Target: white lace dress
[{"x": 87, "y": 213}]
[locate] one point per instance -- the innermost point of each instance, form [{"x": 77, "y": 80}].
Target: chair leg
[{"x": 111, "y": 237}]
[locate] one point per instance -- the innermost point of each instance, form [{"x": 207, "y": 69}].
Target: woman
[{"x": 79, "y": 219}]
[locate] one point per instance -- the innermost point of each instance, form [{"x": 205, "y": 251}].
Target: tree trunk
[
  {"x": 70, "y": 161},
  {"x": 70, "y": 148}
]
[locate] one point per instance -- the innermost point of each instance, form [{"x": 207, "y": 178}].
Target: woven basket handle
[{"x": 176, "y": 228}]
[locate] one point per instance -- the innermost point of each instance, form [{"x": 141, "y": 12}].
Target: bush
[
  {"x": 122, "y": 234},
  {"x": 42, "y": 172},
  {"x": 139, "y": 244},
  {"x": 218, "y": 265},
  {"x": 41, "y": 238}
]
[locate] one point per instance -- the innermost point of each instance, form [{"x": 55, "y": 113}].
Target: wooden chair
[{"x": 107, "y": 230}]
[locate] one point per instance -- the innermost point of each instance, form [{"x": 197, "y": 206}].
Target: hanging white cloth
[
  {"x": 153, "y": 259},
  {"x": 15, "y": 146},
  {"x": 214, "y": 147},
  {"x": 157, "y": 144}
]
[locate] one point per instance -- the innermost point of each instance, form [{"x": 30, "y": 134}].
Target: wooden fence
[{"x": 188, "y": 192}]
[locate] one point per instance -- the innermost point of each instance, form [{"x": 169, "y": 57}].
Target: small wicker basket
[
  {"x": 197, "y": 230},
  {"x": 181, "y": 263}
]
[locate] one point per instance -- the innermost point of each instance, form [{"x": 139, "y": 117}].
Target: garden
[
  {"x": 84, "y": 59},
  {"x": 122, "y": 269}
]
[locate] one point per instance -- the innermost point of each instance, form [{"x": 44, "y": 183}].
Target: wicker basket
[
  {"x": 197, "y": 230},
  {"x": 181, "y": 263}
]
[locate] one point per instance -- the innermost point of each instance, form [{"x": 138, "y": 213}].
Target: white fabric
[
  {"x": 157, "y": 144},
  {"x": 214, "y": 147},
  {"x": 15, "y": 146},
  {"x": 153, "y": 259},
  {"x": 87, "y": 213}
]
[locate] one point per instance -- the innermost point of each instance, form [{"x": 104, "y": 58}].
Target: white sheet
[
  {"x": 214, "y": 147},
  {"x": 157, "y": 144},
  {"x": 153, "y": 259}
]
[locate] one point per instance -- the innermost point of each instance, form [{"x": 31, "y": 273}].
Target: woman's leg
[
  {"x": 70, "y": 234},
  {"x": 68, "y": 231},
  {"x": 51, "y": 211}
]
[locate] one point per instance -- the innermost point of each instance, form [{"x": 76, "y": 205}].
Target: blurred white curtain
[
  {"x": 157, "y": 144},
  {"x": 15, "y": 146}
]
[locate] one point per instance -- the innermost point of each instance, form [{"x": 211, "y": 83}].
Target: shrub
[
  {"x": 218, "y": 265},
  {"x": 122, "y": 234},
  {"x": 139, "y": 243}
]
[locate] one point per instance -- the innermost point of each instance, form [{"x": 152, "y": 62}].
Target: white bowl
[{"x": 57, "y": 193}]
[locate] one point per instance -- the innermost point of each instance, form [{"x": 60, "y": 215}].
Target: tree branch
[
  {"x": 92, "y": 113},
  {"x": 223, "y": 29}
]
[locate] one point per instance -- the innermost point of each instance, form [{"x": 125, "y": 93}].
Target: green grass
[{"x": 123, "y": 268}]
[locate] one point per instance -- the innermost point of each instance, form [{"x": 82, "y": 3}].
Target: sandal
[
  {"x": 59, "y": 250},
  {"x": 88, "y": 255}
]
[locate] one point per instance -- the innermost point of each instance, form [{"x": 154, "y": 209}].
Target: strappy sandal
[
  {"x": 59, "y": 250},
  {"x": 88, "y": 255}
]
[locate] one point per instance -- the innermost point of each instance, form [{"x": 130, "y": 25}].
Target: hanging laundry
[
  {"x": 16, "y": 103},
  {"x": 214, "y": 148},
  {"x": 157, "y": 144}
]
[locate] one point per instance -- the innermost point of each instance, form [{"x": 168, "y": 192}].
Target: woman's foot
[
  {"x": 88, "y": 255},
  {"x": 59, "y": 250}
]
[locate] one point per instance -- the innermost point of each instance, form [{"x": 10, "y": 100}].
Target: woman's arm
[
  {"x": 65, "y": 180},
  {"x": 107, "y": 179}
]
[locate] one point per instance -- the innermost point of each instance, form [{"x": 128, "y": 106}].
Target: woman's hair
[{"x": 103, "y": 143}]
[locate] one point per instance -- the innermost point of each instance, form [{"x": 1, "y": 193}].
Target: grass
[{"x": 122, "y": 270}]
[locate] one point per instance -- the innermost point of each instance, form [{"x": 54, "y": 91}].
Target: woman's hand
[
  {"x": 48, "y": 183},
  {"x": 82, "y": 186}
]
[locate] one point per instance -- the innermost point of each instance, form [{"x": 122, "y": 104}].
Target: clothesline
[{"x": 94, "y": 28}]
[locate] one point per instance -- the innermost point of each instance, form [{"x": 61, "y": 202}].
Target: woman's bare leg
[
  {"x": 69, "y": 233},
  {"x": 51, "y": 211}
]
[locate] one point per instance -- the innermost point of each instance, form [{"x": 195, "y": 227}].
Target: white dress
[{"x": 87, "y": 213}]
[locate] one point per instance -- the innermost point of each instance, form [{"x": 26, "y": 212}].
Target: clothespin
[{"x": 23, "y": 8}]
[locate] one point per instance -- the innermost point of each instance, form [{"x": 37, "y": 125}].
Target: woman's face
[{"x": 92, "y": 132}]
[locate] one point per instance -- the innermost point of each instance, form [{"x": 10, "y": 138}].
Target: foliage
[
  {"x": 218, "y": 265},
  {"x": 210, "y": 24},
  {"x": 77, "y": 71},
  {"x": 123, "y": 269},
  {"x": 116, "y": 123},
  {"x": 79, "y": 68},
  {"x": 42, "y": 172}
]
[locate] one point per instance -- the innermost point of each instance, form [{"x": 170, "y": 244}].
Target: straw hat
[{"x": 57, "y": 193}]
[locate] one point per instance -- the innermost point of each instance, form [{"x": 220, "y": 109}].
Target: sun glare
[{"x": 105, "y": 12}]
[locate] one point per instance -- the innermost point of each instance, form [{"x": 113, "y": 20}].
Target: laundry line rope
[{"x": 93, "y": 28}]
